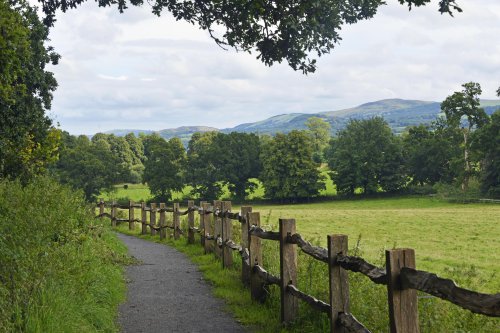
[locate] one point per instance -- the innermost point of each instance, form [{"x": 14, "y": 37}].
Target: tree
[
  {"x": 138, "y": 157},
  {"x": 487, "y": 143},
  {"x": 277, "y": 30},
  {"x": 237, "y": 161},
  {"x": 87, "y": 166},
  {"x": 164, "y": 168},
  {"x": 202, "y": 171},
  {"x": 319, "y": 130},
  {"x": 366, "y": 155},
  {"x": 28, "y": 142},
  {"x": 462, "y": 110},
  {"x": 429, "y": 154},
  {"x": 288, "y": 169},
  {"x": 128, "y": 149}
]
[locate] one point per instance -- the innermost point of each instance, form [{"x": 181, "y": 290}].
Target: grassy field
[
  {"x": 140, "y": 192},
  {"x": 444, "y": 235},
  {"x": 453, "y": 240}
]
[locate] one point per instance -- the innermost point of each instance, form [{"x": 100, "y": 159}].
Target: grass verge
[{"x": 60, "y": 271}]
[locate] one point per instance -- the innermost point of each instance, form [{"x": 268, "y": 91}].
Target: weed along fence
[{"x": 215, "y": 227}]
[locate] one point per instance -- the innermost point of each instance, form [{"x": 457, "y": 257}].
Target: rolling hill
[{"x": 399, "y": 114}]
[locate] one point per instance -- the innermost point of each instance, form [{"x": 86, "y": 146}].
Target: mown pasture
[{"x": 444, "y": 235}]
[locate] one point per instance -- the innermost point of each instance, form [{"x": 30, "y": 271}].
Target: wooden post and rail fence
[{"x": 400, "y": 275}]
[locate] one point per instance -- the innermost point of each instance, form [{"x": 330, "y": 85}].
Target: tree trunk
[{"x": 465, "y": 182}]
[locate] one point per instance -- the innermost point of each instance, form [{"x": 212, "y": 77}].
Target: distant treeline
[{"x": 366, "y": 157}]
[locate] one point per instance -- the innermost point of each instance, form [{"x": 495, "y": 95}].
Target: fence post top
[
  {"x": 401, "y": 250},
  {"x": 334, "y": 236}
]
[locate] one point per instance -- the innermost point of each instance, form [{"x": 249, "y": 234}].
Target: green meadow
[
  {"x": 140, "y": 192},
  {"x": 445, "y": 235},
  {"x": 457, "y": 241}
]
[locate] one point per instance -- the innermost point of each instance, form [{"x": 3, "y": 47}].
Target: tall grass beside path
[{"x": 60, "y": 271}]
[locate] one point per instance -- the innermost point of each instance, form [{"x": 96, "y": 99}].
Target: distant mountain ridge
[{"x": 399, "y": 113}]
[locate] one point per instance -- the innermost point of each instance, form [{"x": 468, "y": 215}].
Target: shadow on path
[{"x": 167, "y": 293}]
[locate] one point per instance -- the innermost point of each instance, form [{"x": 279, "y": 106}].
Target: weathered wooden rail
[{"x": 400, "y": 275}]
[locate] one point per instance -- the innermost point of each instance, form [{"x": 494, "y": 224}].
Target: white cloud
[
  {"x": 114, "y": 78},
  {"x": 135, "y": 70}
]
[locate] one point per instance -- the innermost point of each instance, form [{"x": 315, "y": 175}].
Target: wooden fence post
[
  {"x": 190, "y": 222},
  {"x": 339, "y": 282},
  {"x": 207, "y": 225},
  {"x": 403, "y": 309},
  {"x": 163, "y": 230},
  {"x": 152, "y": 219},
  {"x": 255, "y": 253},
  {"x": 288, "y": 271},
  {"x": 177, "y": 221},
  {"x": 227, "y": 233},
  {"x": 131, "y": 223},
  {"x": 144, "y": 219},
  {"x": 245, "y": 269},
  {"x": 101, "y": 208},
  {"x": 217, "y": 228},
  {"x": 201, "y": 212},
  {"x": 113, "y": 214}
]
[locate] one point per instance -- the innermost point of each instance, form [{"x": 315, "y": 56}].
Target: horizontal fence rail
[{"x": 215, "y": 232}]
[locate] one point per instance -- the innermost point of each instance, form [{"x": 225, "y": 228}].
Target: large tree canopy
[
  {"x": 367, "y": 155},
  {"x": 462, "y": 110},
  {"x": 278, "y": 30},
  {"x": 27, "y": 140},
  {"x": 288, "y": 169}
]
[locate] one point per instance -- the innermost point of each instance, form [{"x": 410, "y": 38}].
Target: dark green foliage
[
  {"x": 465, "y": 104},
  {"x": 487, "y": 143},
  {"x": 429, "y": 154},
  {"x": 462, "y": 111},
  {"x": 319, "y": 130},
  {"x": 27, "y": 140},
  {"x": 202, "y": 172},
  {"x": 164, "y": 167},
  {"x": 88, "y": 166},
  {"x": 138, "y": 157},
  {"x": 288, "y": 169},
  {"x": 217, "y": 159},
  {"x": 56, "y": 273},
  {"x": 366, "y": 155},
  {"x": 237, "y": 161},
  {"x": 128, "y": 149},
  {"x": 277, "y": 30}
]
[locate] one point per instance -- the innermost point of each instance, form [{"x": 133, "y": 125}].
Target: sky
[{"x": 139, "y": 71}]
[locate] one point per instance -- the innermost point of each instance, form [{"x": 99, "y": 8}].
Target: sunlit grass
[{"x": 453, "y": 240}]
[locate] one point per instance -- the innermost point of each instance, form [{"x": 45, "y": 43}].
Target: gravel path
[{"x": 167, "y": 293}]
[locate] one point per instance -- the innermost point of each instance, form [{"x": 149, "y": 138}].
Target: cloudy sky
[{"x": 138, "y": 71}]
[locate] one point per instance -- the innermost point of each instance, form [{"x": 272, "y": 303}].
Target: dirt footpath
[{"x": 167, "y": 293}]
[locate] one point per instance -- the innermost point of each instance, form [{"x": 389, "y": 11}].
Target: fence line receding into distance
[{"x": 400, "y": 274}]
